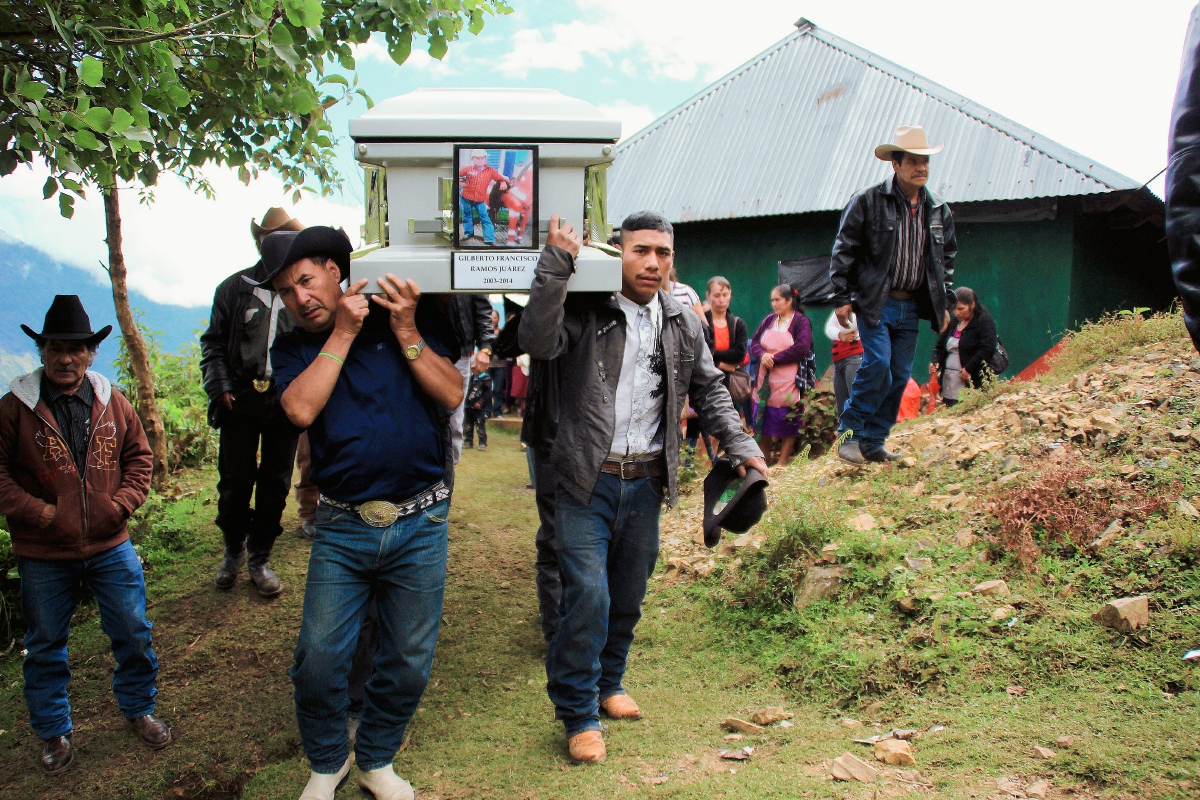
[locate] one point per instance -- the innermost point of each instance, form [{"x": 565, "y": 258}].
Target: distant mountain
[{"x": 29, "y": 279}]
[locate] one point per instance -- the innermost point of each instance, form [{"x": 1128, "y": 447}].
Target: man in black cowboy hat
[
  {"x": 74, "y": 466},
  {"x": 244, "y": 407},
  {"x": 370, "y": 381}
]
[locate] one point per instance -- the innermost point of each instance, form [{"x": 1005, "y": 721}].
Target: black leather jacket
[
  {"x": 976, "y": 345},
  {"x": 472, "y": 322},
  {"x": 863, "y": 253},
  {"x": 1183, "y": 181}
]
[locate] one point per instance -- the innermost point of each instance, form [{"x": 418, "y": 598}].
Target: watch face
[{"x": 412, "y": 352}]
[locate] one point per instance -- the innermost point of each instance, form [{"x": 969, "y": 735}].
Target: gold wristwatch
[{"x": 414, "y": 350}]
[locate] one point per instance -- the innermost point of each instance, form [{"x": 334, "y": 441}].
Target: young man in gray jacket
[{"x": 628, "y": 361}]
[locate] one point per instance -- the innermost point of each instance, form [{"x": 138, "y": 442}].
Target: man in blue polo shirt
[{"x": 368, "y": 380}]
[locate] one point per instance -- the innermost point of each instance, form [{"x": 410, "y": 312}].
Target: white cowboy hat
[
  {"x": 479, "y": 154},
  {"x": 909, "y": 139}
]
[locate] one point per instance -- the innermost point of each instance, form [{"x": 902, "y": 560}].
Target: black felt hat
[
  {"x": 67, "y": 320},
  {"x": 732, "y": 502},
  {"x": 284, "y": 248}
]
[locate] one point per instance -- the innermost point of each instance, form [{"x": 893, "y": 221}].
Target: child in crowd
[{"x": 479, "y": 399}]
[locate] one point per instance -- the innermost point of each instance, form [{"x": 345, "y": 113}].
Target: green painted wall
[
  {"x": 1118, "y": 268},
  {"x": 1022, "y": 272}
]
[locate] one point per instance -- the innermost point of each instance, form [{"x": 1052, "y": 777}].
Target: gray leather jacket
[{"x": 588, "y": 331}]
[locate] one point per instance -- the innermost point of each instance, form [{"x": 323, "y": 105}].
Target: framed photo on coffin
[{"x": 495, "y": 197}]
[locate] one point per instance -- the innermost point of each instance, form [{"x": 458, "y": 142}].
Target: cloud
[
  {"x": 633, "y": 117},
  {"x": 177, "y": 249}
]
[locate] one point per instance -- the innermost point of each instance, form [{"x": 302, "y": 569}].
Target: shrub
[
  {"x": 10, "y": 592},
  {"x": 1114, "y": 336}
]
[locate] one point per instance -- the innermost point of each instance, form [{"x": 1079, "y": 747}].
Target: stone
[
  {"x": 846, "y": 722},
  {"x": 862, "y": 522},
  {"x": 917, "y": 489},
  {"x": 1010, "y": 463},
  {"x": 921, "y": 442},
  {"x": 964, "y": 537},
  {"x": 1038, "y": 789},
  {"x": 848, "y": 767},
  {"x": 993, "y": 589},
  {"x": 873, "y": 710},
  {"x": 1110, "y": 535},
  {"x": 1003, "y": 613},
  {"x": 1064, "y": 742},
  {"x": 734, "y": 737},
  {"x": 908, "y": 462},
  {"x": 742, "y": 540},
  {"x": 735, "y": 725},
  {"x": 1187, "y": 509},
  {"x": 919, "y": 564},
  {"x": 906, "y": 605},
  {"x": 769, "y": 715},
  {"x": 820, "y": 583},
  {"x": 1043, "y": 752},
  {"x": 895, "y": 752},
  {"x": 1125, "y": 614}
]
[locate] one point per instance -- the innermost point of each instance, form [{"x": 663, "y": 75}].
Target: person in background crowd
[
  {"x": 257, "y": 443},
  {"x": 479, "y": 398},
  {"x": 519, "y": 385},
  {"x": 684, "y": 295},
  {"x": 369, "y": 381},
  {"x": 307, "y": 494},
  {"x": 628, "y": 359},
  {"x": 726, "y": 334},
  {"x": 892, "y": 265},
  {"x": 1183, "y": 181},
  {"x": 74, "y": 466},
  {"x": 497, "y": 371},
  {"x": 782, "y": 342},
  {"x": 847, "y": 355},
  {"x": 472, "y": 323},
  {"x": 960, "y": 357}
]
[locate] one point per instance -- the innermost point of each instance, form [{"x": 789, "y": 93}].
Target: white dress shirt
[{"x": 640, "y": 392}]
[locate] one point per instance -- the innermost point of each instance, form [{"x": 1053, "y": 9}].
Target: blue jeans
[
  {"x": 606, "y": 552},
  {"x": 49, "y": 595},
  {"x": 888, "y": 350},
  {"x": 405, "y": 564},
  {"x": 466, "y": 207}
]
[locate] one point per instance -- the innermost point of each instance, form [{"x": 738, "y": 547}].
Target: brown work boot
[
  {"x": 587, "y": 747},
  {"x": 153, "y": 731},
  {"x": 58, "y": 755},
  {"x": 620, "y": 706}
]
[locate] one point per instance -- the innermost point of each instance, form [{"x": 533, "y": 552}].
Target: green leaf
[
  {"x": 91, "y": 72},
  {"x": 87, "y": 140},
  {"x": 311, "y": 11},
  {"x": 99, "y": 119},
  {"x": 66, "y": 204},
  {"x": 476, "y": 21},
  {"x": 338, "y": 79},
  {"x": 179, "y": 96},
  {"x": 121, "y": 120},
  {"x": 400, "y": 49},
  {"x": 14, "y": 574},
  {"x": 280, "y": 35},
  {"x": 50, "y": 188},
  {"x": 32, "y": 90},
  {"x": 139, "y": 134},
  {"x": 437, "y": 46}
]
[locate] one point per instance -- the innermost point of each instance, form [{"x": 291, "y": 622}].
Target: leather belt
[
  {"x": 381, "y": 513},
  {"x": 630, "y": 469},
  {"x": 900, "y": 294}
]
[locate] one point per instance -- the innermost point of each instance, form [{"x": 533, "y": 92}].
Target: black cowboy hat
[
  {"x": 284, "y": 248},
  {"x": 731, "y": 501},
  {"x": 67, "y": 320}
]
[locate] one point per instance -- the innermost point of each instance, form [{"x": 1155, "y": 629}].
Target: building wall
[
  {"x": 1118, "y": 268},
  {"x": 1021, "y": 270}
]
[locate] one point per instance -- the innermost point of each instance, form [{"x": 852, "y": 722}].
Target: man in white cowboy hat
[
  {"x": 475, "y": 181},
  {"x": 244, "y": 407},
  {"x": 893, "y": 264}
]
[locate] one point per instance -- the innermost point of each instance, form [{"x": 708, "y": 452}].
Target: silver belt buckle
[
  {"x": 378, "y": 513},
  {"x": 625, "y": 477}
]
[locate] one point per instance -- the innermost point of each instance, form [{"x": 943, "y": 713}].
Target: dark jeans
[
  {"x": 243, "y": 473},
  {"x": 474, "y": 418},
  {"x": 499, "y": 388},
  {"x": 878, "y": 388},
  {"x": 549, "y": 580},
  {"x": 606, "y": 550},
  {"x": 49, "y": 595},
  {"x": 843, "y": 378},
  {"x": 404, "y": 566}
]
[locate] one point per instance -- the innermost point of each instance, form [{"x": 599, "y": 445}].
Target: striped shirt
[
  {"x": 477, "y": 180},
  {"x": 908, "y": 268}
]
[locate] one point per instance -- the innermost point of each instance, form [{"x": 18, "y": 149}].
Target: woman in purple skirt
[{"x": 782, "y": 342}]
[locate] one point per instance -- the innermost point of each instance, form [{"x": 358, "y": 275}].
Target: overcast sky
[{"x": 1097, "y": 76}]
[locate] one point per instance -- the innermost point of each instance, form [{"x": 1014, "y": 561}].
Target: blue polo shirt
[{"x": 379, "y": 436}]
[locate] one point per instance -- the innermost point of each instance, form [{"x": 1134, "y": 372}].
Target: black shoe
[
  {"x": 228, "y": 571},
  {"x": 58, "y": 755},
  {"x": 848, "y": 451},
  {"x": 265, "y": 580},
  {"x": 308, "y": 529},
  {"x": 153, "y": 731},
  {"x": 468, "y": 446},
  {"x": 881, "y": 455},
  {"x": 482, "y": 447}
]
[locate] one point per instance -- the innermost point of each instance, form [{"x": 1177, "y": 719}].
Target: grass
[{"x": 704, "y": 651}]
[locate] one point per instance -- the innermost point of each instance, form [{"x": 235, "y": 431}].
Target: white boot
[
  {"x": 385, "y": 784},
  {"x": 323, "y": 787}
]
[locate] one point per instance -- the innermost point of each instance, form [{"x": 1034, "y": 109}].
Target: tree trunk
[{"x": 135, "y": 345}]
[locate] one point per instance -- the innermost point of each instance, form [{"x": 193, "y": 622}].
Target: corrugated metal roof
[{"x": 793, "y": 130}]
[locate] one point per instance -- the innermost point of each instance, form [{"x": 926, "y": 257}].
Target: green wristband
[{"x": 331, "y": 355}]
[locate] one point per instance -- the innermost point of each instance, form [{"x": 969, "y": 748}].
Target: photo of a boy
[{"x": 475, "y": 181}]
